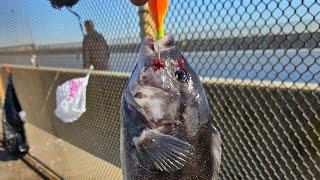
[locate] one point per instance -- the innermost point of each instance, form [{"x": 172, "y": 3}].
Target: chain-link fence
[{"x": 259, "y": 62}]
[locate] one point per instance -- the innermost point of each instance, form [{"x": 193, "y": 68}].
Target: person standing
[{"x": 95, "y": 49}]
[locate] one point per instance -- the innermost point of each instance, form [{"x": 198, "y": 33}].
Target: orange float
[{"x": 158, "y": 10}]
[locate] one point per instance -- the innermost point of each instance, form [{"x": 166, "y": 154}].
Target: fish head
[{"x": 163, "y": 87}]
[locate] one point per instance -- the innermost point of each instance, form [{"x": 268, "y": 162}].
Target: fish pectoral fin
[{"x": 162, "y": 152}]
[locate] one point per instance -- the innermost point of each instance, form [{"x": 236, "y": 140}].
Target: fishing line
[
  {"x": 158, "y": 48},
  {"x": 79, "y": 18}
]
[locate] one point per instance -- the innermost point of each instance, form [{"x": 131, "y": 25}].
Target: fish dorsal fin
[{"x": 162, "y": 152}]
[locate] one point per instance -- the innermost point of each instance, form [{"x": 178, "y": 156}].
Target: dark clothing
[
  {"x": 13, "y": 130},
  {"x": 95, "y": 51}
]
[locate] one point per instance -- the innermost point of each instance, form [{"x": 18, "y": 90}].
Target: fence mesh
[{"x": 259, "y": 62}]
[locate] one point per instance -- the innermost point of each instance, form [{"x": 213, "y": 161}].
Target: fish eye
[{"x": 182, "y": 76}]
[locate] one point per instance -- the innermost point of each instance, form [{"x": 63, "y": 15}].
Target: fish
[{"x": 166, "y": 127}]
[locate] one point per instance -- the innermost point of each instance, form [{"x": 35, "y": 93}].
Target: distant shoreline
[{"x": 285, "y": 65}]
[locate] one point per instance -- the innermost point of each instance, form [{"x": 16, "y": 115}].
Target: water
[{"x": 278, "y": 65}]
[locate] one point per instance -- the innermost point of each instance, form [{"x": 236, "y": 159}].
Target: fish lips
[{"x": 148, "y": 114}]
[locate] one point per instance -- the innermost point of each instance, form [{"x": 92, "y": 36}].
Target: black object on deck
[{"x": 13, "y": 131}]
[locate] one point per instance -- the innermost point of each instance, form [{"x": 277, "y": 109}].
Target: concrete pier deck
[{"x": 14, "y": 168}]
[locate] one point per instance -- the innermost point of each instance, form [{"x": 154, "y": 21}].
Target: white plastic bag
[{"x": 71, "y": 99}]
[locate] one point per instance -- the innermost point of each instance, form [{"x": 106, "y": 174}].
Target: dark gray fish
[{"x": 166, "y": 131}]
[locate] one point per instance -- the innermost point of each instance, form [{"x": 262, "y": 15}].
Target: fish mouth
[
  {"x": 140, "y": 100},
  {"x": 162, "y": 123},
  {"x": 163, "y": 126}
]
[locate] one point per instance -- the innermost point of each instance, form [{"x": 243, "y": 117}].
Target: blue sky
[{"x": 35, "y": 21}]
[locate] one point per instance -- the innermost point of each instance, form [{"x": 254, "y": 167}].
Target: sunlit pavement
[{"x": 13, "y": 168}]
